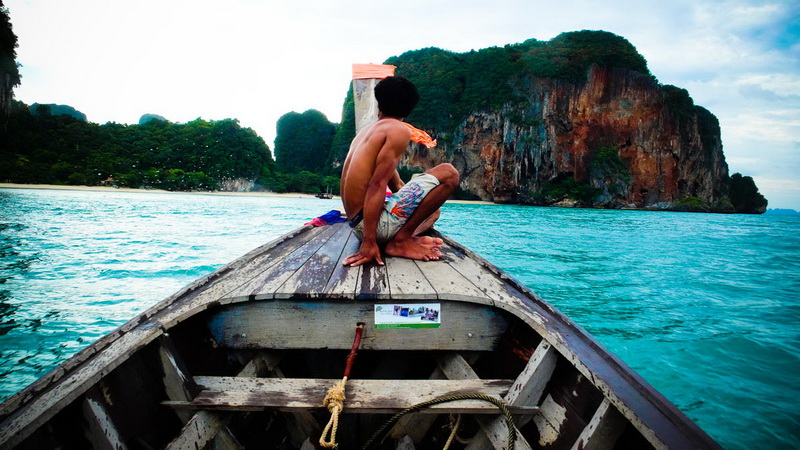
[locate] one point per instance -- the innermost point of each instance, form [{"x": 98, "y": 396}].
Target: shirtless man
[{"x": 371, "y": 166}]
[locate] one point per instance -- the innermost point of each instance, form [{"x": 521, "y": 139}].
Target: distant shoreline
[{"x": 58, "y": 187}]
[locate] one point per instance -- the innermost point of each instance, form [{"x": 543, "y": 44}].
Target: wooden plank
[
  {"x": 265, "y": 364},
  {"x": 177, "y": 381},
  {"x": 102, "y": 432},
  {"x": 226, "y": 288},
  {"x": 273, "y": 255},
  {"x": 344, "y": 279},
  {"x": 312, "y": 277},
  {"x": 490, "y": 283},
  {"x": 530, "y": 383},
  {"x": 406, "y": 281},
  {"x": 179, "y": 386},
  {"x": 264, "y": 285},
  {"x": 363, "y": 396},
  {"x": 456, "y": 368},
  {"x": 198, "y": 431},
  {"x": 224, "y": 441},
  {"x": 301, "y": 424},
  {"x": 449, "y": 283},
  {"x": 205, "y": 426},
  {"x": 258, "y": 364},
  {"x": 330, "y": 325},
  {"x": 416, "y": 425},
  {"x": 549, "y": 420},
  {"x": 526, "y": 391},
  {"x": 603, "y": 430},
  {"x": 373, "y": 283}
]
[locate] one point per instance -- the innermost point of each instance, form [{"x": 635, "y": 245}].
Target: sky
[{"x": 255, "y": 60}]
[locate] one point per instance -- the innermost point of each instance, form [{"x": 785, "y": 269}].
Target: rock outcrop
[
  {"x": 50, "y": 109},
  {"x": 620, "y": 135}
]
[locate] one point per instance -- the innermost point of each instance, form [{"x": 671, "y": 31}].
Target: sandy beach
[{"x": 161, "y": 191}]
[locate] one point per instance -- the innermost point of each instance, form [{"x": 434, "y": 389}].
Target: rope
[
  {"x": 512, "y": 432},
  {"x": 334, "y": 401},
  {"x": 454, "y": 424}
]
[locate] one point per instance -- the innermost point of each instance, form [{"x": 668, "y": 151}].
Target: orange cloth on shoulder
[{"x": 420, "y": 136}]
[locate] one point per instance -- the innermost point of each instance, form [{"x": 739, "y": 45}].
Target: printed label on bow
[{"x": 408, "y": 315}]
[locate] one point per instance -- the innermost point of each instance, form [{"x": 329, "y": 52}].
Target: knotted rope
[{"x": 334, "y": 400}]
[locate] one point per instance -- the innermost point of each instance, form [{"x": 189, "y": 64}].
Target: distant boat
[
  {"x": 243, "y": 358},
  {"x": 327, "y": 194}
]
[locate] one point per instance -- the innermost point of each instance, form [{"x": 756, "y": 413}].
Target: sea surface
[{"x": 705, "y": 307}]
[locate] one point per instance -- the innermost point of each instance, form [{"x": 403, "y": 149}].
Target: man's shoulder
[{"x": 392, "y": 127}]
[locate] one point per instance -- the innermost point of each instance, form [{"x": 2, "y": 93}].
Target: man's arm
[
  {"x": 395, "y": 183},
  {"x": 389, "y": 155}
]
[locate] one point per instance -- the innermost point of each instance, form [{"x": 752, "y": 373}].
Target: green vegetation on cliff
[
  {"x": 303, "y": 141},
  {"x": 61, "y": 149},
  {"x": 680, "y": 104},
  {"x": 51, "y": 109},
  {"x": 9, "y": 68},
  {"x": 745, "y": 196},
  {"x": 302, "y": 149},
  {"x": 453, "y": 85}
]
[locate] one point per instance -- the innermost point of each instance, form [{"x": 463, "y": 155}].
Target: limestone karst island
[{"x": 575, "y": 121}]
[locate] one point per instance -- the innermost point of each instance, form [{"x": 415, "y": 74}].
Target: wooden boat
[
  {"x": 244, "y": 357},
  {"x": 325, "y": 195}
]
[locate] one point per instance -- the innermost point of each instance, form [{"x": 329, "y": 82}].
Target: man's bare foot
[{"x": 423, "y": 248}]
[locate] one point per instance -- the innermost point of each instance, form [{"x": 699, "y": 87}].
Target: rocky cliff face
[{"x": 620, "y": 135}]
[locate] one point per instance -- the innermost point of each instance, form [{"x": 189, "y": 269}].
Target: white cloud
[{"x": 780, "y": 193}]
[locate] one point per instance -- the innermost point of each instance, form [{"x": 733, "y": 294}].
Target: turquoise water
[{"x": 705, "y": 307}]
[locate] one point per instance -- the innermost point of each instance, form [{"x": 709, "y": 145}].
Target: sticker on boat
[{"x": 408, "y": 315}]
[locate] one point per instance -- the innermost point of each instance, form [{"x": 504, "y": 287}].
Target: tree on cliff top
[
  {"x": 745, "y": 196},
  {"x": 9, "y": 68},
  {"x": 569, "y": 55},
  {"x": 303, "y": 141}
]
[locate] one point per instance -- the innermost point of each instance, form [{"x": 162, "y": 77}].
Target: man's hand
[{"x": 368, "y": 251}]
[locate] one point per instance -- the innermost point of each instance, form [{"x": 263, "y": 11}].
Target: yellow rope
[
  {"x": 453, "y": 433},
  {"x": 334, "y": 401}
]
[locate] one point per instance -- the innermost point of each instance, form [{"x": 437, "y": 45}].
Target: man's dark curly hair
[{"x": 396, "y": 96}]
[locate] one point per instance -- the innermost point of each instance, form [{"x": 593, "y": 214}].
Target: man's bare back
[
  {"x": 359, "y": 165},
  {"x": 371, "y": 167}
]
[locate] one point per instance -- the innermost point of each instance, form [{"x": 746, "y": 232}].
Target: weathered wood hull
[{"x": 244, "y": 357}]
